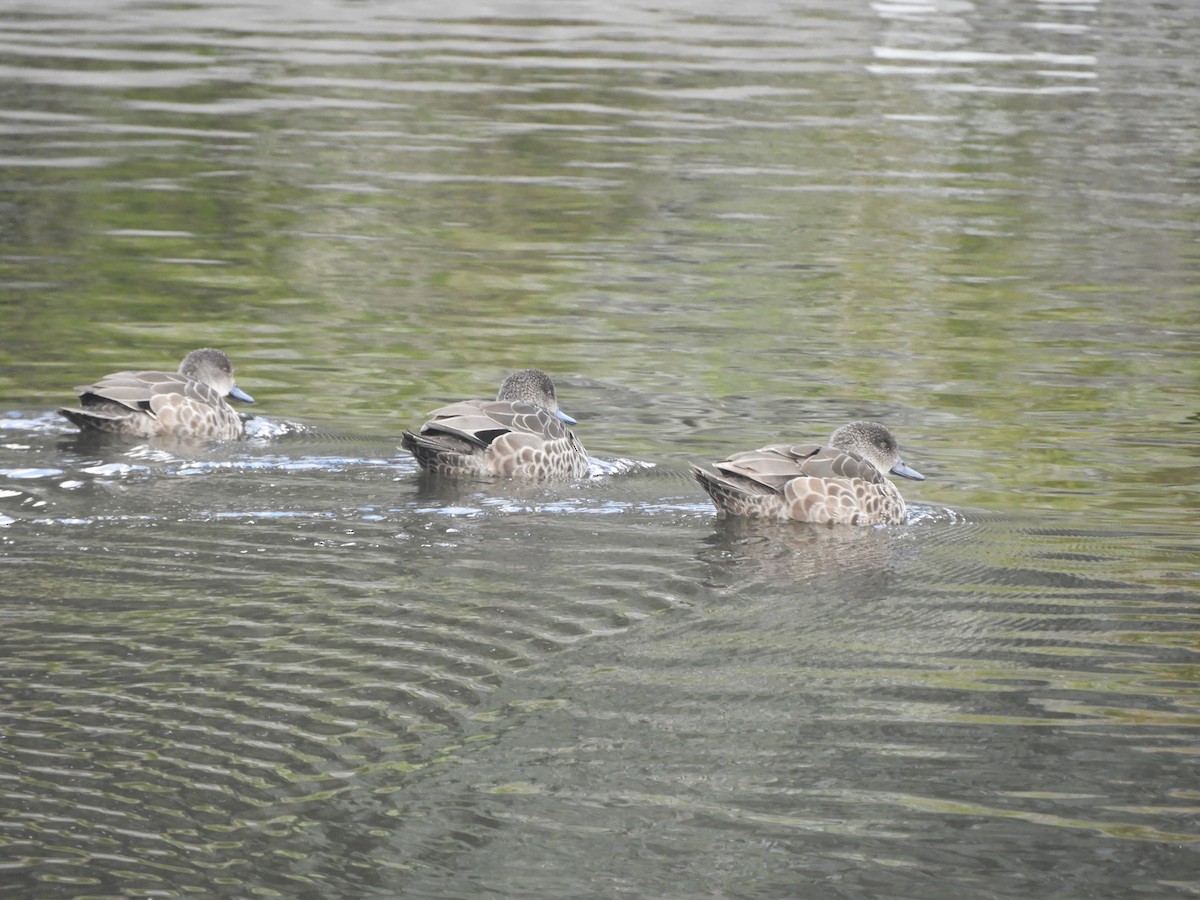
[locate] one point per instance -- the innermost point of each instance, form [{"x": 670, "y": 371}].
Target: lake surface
[{"x": 292, "y": 666}]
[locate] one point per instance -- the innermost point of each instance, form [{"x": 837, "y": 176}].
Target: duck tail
[
  {"x": 90, "y": 421},
  {"x": 434, "y": 452},
  {"x": 726, "y": 496}
]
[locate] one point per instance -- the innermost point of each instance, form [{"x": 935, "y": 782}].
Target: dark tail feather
[
  {"x": 730, "y": 497},
  {"x": 434, "y": 453},
  {"x": 86, "y": 421},
  {"x": 720, "y": 490}
]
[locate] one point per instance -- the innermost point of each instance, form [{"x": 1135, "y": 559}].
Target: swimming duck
[
  {"x": 188, "y": 404},
  {"x": 520, "y": 434},
  {"x": 841, "y": 483}
]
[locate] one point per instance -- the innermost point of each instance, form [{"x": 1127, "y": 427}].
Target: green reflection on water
[{"x": 698, "y": 272}]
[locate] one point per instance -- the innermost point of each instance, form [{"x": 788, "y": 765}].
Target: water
[{"x": 294, "y": 667}]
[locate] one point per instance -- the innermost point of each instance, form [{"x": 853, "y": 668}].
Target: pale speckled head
[
  {"x": 214, "y": 368},
  {"x": 533, "y": 386},
  {"x": 874, "y": 443}
]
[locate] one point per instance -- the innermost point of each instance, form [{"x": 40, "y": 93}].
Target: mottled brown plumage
[
  {"x": 520, "y": 434},
  {"x": 840, "y": 483},
  {"x": 187, "y": 404}
]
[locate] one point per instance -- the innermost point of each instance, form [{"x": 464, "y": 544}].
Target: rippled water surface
[{"x": 292, "y": 666}]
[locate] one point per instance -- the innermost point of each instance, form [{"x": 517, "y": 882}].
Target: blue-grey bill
[
  {"x": 905, "y": 472},
  {"x": 562, "y": 415},
  {"x": 238, "y": 394}
]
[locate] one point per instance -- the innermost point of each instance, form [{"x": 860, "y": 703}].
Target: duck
[
  {"x": 188, "y": 404},
  {"x": 521, "y": 434},
  {"x": 843, "y": 482}
]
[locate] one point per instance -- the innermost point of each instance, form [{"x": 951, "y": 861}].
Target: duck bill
[
  {"x": 559, "y": 414},
  {"x": 238, "y": 394},
  {"x": 905, "y": 472}
]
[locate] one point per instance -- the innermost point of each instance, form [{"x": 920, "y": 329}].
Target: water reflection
[{"x": 335, "y": 655}]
